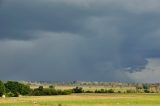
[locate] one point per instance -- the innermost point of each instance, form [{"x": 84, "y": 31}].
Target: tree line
[{"x": 15, "y": 89}]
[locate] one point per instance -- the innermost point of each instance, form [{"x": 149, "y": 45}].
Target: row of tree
[
  {"x": 13, "y": 88},
  {"x": 49, "y": 91}
]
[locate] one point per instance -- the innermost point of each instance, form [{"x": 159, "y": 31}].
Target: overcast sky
[{"x": 92, "y": 40}]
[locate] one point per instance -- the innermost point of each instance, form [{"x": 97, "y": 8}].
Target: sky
[{"x": 87, "y": 40}]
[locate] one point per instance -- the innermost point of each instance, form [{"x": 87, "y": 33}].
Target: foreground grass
[{"x": 85, "y": 100}]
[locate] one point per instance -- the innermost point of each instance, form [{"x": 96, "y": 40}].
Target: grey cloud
[
  {"x": 19, "y": 16},
  {"x": 54, "y": 57},
  {"x": 77, "y": 39}
]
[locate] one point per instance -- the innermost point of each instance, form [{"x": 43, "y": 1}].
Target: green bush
[
  {"x": 67, "y": 92},
  {"x": 130, "y": 91},
  {"x": 17, "y": 88},
  {"x": 104, "y": 91},
  {"x": 119, "y": 92},
  {"x": 40, "y": 88},
  {"x": 10, "y": 94},
  {"x": 89, "y": 91},
  {"x": 51, "y": 86},
  {"x": 16, "y": 94},
  {"x": 145, "y": 86},
  {"x": 77, "y": 90},
  {"x": 110, "y": 91},
  {"x": 2, "y": 88},
  {"x": 49, "y": 91},
  {"x": 146, "y": 91}
]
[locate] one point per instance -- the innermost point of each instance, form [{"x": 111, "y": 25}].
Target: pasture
[{"x": 85, "y": 100}]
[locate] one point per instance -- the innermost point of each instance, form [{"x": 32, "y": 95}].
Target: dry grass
[{"x": 85, "y": 100}]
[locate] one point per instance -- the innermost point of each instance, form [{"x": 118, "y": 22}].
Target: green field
[{"x": 85, "y": 100}]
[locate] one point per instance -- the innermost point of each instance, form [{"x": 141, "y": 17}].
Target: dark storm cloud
[
  {"x": 0, "y": 2},
  {"x": 77, "y": 39}
]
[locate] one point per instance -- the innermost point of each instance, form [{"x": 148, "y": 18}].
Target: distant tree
[
  {"x": 78, "y": 90},
  {"x": 146, "y": 91},
  {"x": 17, "y": 88},
  {"x": 51, "y": 86},
  {"x": 40, "y": 88},
  {"x": 24, "y": 89},
  {"x": 130, "y": 91},
  {"x": 2, "y": 88},
  {"x": 49, "y": 91},
  {"x": 145, "y": 86},
  {"x": 12, "y": 86},
  {"x": 110, "y": 91},
  {"x": 104, "y": 91}
]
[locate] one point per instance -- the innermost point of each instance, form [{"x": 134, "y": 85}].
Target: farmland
[
  {"x": 85, "y": 99},
  {"x": 80, "y": 94}
]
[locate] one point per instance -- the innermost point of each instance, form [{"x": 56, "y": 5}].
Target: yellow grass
[{"x": 85, "y": 100}]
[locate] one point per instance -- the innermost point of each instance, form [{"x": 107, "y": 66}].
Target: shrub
[
  {"x": 77, "y": 90},
  {"x": 101, "y": 91},
  {"x": 119, "y": 92},
  {"x": 130, "y": 91},
  {"x": 146, "y": 91},
  {"x": 67, "y": 92},
  {"x": 17, "y": 88},
  {"x": 40, "y": 88},
  {"x": 49, "y": 91},
  {"x": 10, "y": 94},
  {"x": 110, "y": 91},
  {"x": 2, "y": 88},
  {"x": 16, "y": 94},
  {"x": 88, "y": 91},
  {"x": 97, "y": 91},
  {"x": 35, "y": 92},
  {"x": 145, "y": 86},
  {"x": 51, "y": 86}
]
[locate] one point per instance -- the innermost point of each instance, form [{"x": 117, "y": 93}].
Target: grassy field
[{"x": 85, "y": 100}]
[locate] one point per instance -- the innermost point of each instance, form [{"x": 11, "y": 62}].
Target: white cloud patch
[{"x": 151, "y": 72}]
